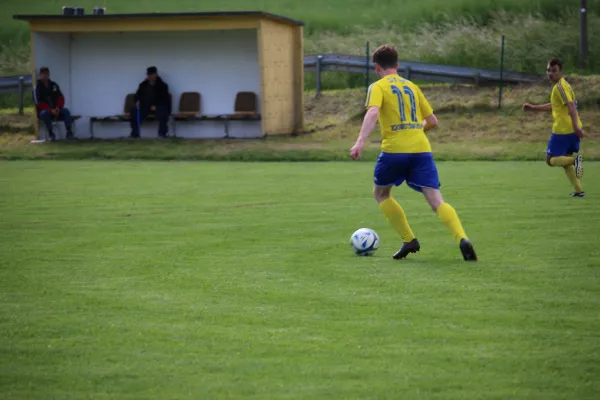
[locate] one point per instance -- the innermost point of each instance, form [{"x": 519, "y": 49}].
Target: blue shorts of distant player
[
  {"x": 417, "y": 169},
  {"x": 561, "y": 145}
]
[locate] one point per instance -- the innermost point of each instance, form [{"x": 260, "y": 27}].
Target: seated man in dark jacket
[
  {"x": 152, "y": 97},
  {"x": 50, "y": 103}
]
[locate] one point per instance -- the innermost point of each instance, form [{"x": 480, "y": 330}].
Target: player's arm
[
  {"x": 369, "y": 123},
  {"x": 367, "y": 127},
  {"x": 575, "y": 119},
  {"x": 373, "y": 104},
  {"x": 430, "y": 122},
  {"x": 541, "y": 107}
]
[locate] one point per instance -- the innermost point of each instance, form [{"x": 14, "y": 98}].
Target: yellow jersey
[
  {"x": 403, "y": 107},
  {"x": 562, "y": 93}
]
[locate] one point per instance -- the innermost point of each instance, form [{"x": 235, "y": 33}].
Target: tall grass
[
  {"x": 530, "y": 41},
  {"x": 14, "y": 58},
  {"x": 455, "y": 32},
  {"x": 337, "y": 15}
]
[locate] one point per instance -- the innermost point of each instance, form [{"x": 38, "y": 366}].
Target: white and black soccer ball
[{"x": 364, "y": 242}]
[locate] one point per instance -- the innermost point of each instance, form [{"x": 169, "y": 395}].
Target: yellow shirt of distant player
[
  {"x": 562, "y": 93},
  {"x": 403, "y": 107}
]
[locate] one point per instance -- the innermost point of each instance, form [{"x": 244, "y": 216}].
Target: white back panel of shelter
[
  {"x": 105, "y": 67},
  {"x": 53, "y": 50}
]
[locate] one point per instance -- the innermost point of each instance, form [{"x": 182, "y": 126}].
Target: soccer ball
[{"x": 364, "y": 242}]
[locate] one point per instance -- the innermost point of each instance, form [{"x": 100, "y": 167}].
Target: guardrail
[
  {"x": 16, "y": 84},
  {"x": 356, "y": 64},
  {"x": 416, "y": 71}
]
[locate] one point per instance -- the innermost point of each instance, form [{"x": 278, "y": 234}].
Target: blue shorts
[
  {"x": 417, "y": 169},
  {"x": 561, "y": 145}
]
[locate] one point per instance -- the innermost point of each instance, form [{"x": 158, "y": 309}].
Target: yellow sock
[
  {"x": 395, "y": 214},
  {"x": 572, "y": 175},
  {"x": 562, "y": 161},
  {"x": 449, "y": 217}
]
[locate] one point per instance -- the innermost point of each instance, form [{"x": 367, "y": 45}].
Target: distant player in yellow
[
  {"x": 404, "y": 115},
  {"x": 566, "y": 130}
]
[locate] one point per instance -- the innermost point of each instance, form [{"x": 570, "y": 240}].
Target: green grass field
[
  {"x": 471, "y": 128},
  {"x": 235, "y": 281}
]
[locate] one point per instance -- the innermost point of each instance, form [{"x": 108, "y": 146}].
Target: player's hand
[
  {"x": 355, "y": 151},
  {"x": 579, "y": 133},
  {"x": 527, "y": 107}
]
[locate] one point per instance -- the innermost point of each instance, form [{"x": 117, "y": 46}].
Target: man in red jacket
[{"x": 50, "y": 103}]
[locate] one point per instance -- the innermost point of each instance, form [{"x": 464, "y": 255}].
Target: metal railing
[
  {"x": 16, "y": 84},
  {"x": 416, "y": 71},
  {"x": 354, "y": 64}
]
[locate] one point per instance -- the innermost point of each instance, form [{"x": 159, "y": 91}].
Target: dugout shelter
[{"x": 230, "y": 74}]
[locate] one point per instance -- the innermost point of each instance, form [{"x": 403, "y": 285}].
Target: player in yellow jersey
[
  {"x": 566, "y": 130},
  {"x": 404, "y": 115}
]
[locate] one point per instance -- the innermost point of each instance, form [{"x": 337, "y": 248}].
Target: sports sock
[
  {"x": 395, "y": 214},
  {"x": 449, "y": 217},
  {"x": 562, "y": 161},
  {"x": 572, "y": 175}
]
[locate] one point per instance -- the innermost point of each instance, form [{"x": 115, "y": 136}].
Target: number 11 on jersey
[{"x": 413, "y": 104}]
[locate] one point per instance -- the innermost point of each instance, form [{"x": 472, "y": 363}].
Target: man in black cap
[
  {"x": 152, "y": 97},
  {"x": 50, "y": 103}
]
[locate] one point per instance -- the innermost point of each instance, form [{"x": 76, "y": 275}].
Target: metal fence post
[
  {"x": 21, "y": 94},
  {"x": 319, "y": 60},
  {"x": 501, "y": 73},
  {"x": 583, "y": 45},
  {"x": 367, "y": 66}
]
